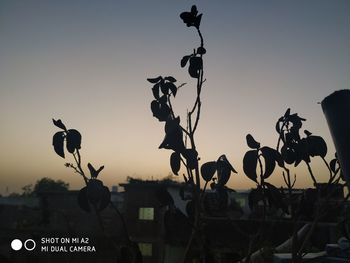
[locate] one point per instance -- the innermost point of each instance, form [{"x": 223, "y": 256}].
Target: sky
[{"x": 86, "y": 62}]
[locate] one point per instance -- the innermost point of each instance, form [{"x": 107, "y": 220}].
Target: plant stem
[{"x": 311, "y": 174}]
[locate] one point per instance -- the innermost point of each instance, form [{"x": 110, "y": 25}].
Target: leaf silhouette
[
  {"x": 288, "y": 154},
  {"x": 160, "y": 110},
  {"x": 170, "y": 78},
  {"x": 307, "y": 133},
  {"x": 93, "y": 171},
  {"x": 208, "y": 170},
  {"x": 197, "y": 21},
  {"x": 164, "y": 87},
  {"x": 173, "y": 140},
  {"x": 316, "y": 146},
  {"x": 163, "y": 99},
  {"x": 250, "y": 161},
  {"x": 274, "y": 154},
  {"x": 287, "y": 113},
  {"x": 302, "y": 151},
  {"x": 201, "y": 51},
  {"x": 172, "y": 124},
  {"x": 173, "y": 136},
  {"x": 175, "y": 162},
  {"x": 277, "y": 127},
  {"x": 196, "y": 64},
  {"x": 251, "y": 142},
  {"x": 57, "y": 142},
  {"x": 191, "y": 18},
  {"x": 271, "y": 156},
  {"x": 191, "y": 158},
  {"x": 172, "y": 88},
  {"x": 224, "y": 169},
  {"x": 187, "y": 18},
  {"x": 269, "y": 165},
  {"x": 194, "y": 10},
  {"x": 155, "y": 91},
  {"x": 59, "y": 124},
  {"x": 333, "y": 165},
  {"x": 73, "y": 140},
  {"x": 184, "y": 61},
  {"x": 154, "y": 80}
]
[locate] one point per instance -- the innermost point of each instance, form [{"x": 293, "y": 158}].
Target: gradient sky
[{"x": 86, "y": 62}]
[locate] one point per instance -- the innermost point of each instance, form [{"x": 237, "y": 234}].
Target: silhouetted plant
[
  {"x": 292, "y": 149},
  {"x": 181, "y": 138},
  {"x": 94, "y": 196}
]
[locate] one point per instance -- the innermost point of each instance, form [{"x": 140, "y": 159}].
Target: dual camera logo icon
[{"x": 17, "y": 244}]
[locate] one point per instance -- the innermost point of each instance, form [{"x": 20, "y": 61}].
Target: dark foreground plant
[
  {"x": 180, "y": 139},
  {"x": 292, "y": 150},
  {"x": 94, "y": 196}
]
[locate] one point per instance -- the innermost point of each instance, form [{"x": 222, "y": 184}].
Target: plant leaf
[
  {"x": 160, "y": 110},
  {"x": 196, "y": 64},
  {"x": 155, "y": 91},
  {"x": 316, "y": 146},
  {"x": 172, "y": 88},
  {"x": 274, "y": 154},
  {"x": 288, "y": 154},
  {"x": 57, "y": 142},
  {"x": 164, "y": 87},
  {"x": 251, "y": 142},
  {"x": 333, "y": 165},
  {"x": 173, "y": 140},
  {"x": 175, "y": 162},
  {"x": 154, "y": 80},
  {"x": 208, "y": 170},
  {"x": 93, "y": 171},
  {"x": 287, "y": 113},
  {"x": 73, "y": 140},
  {"x": 59, "y": 124},
  {"x": 269, "y": 165},
  {"x": 271, "y": 156},
  {"x": 307, "y": 133},
  {"x": 170, "y": 78},
  {"x": 191, "y": 158},
  {"x": 250, "y": 161},
  {"x": 184, "y": 61},
  {"x": 194, "y": 10},
  {"x": 224, "y": 169},
  {"x": 197, "y": 21},
  {"x": 277, "y": 127},
  {"x": 201, "y": 51}
]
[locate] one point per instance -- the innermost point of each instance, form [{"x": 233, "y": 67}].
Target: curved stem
[{"x": 311, "y": 174}]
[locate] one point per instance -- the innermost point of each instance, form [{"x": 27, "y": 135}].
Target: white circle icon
[
  {"x": 16, "y": 244},
  {"x": 29, "y": 244}
]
